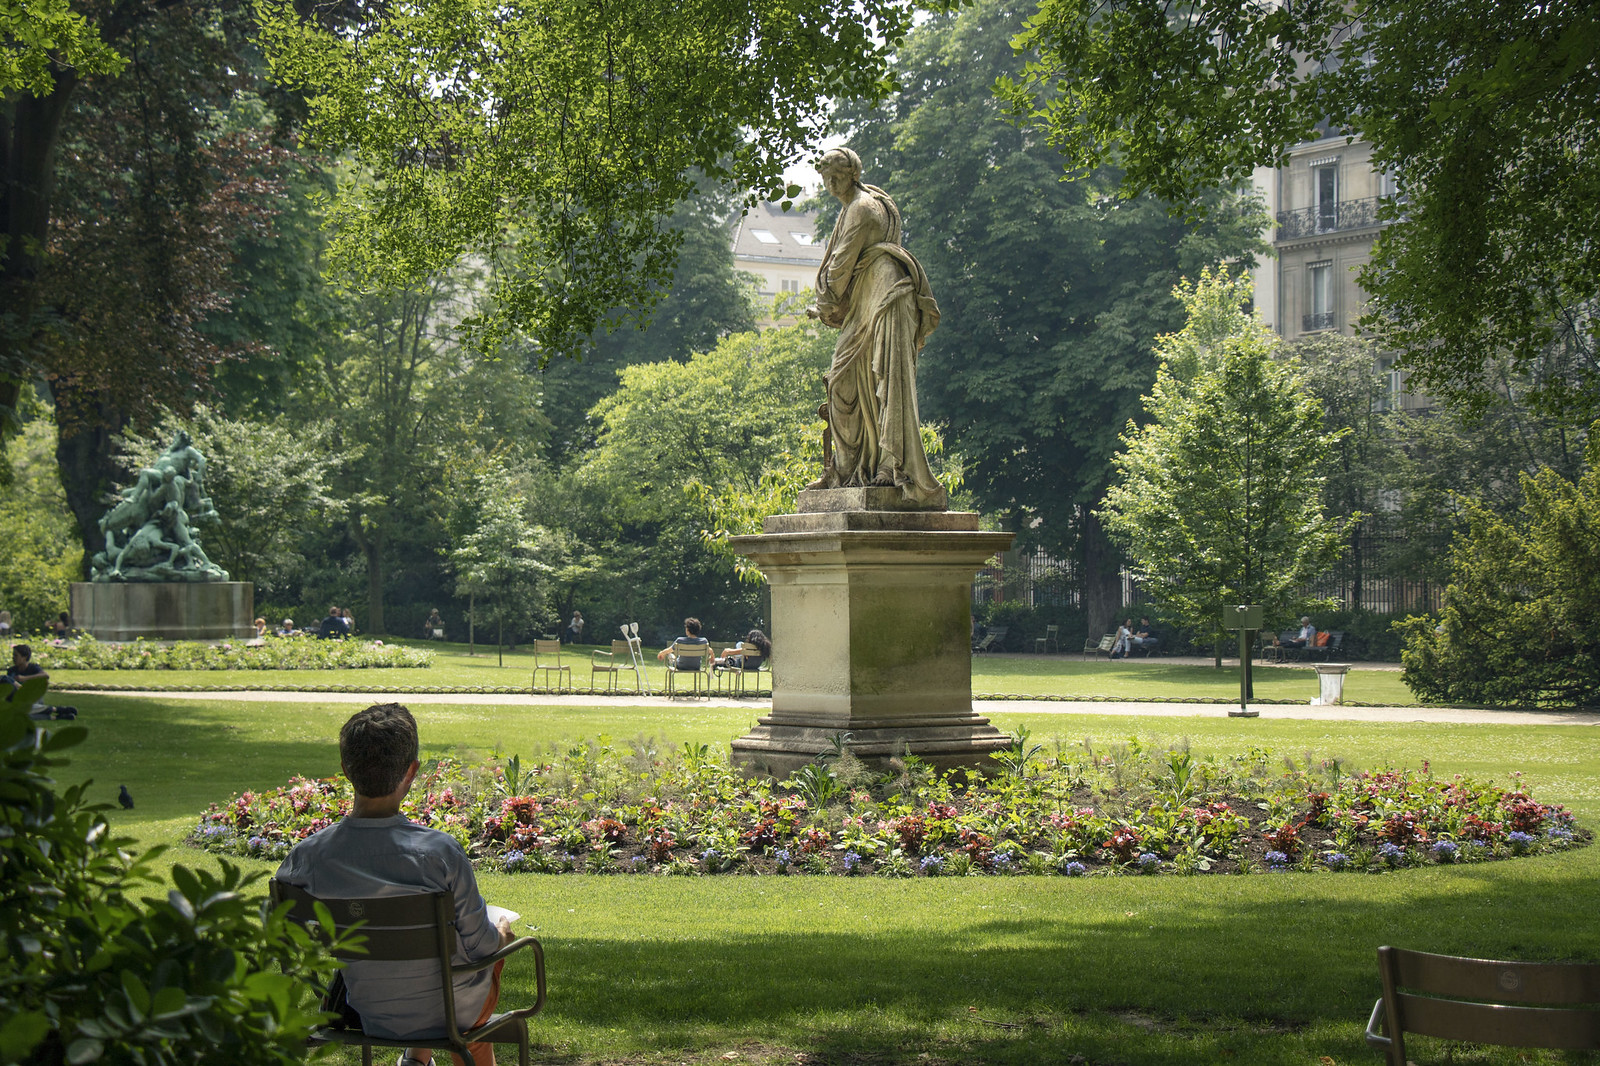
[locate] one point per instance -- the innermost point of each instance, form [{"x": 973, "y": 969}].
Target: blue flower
[
  {"x": 932, "y": 865},
  {"x": 1444, "y": 850},
  {"x": 1074, "y": 869},
  {"x": 1519, "y": 841},
  {"x": 639, "y": 862},
  {"x": 1149, "y": 862},
  {"x": 782, "y": 857},
  {"x": 1391, "y": 853},
  {"x": 1277, "y": 860},
  {"x": 1336, "y": 860},
  {"x": 1002, "y": 860},
  {"x": 513, "y": 860},
  {"x": 256, "y": 843},
  {"x": 851, "y": 861},
  {"x": 1556, "y": 832},
  {"x": 709, "y": 855}
]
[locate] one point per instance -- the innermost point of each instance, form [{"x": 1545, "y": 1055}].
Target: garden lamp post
[{"x": 1246, "y": 618}]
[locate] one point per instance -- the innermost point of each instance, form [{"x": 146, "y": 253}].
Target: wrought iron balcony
[
  {"x": 1320, "y": 320},
  {"x": 1327, "y": 218}
]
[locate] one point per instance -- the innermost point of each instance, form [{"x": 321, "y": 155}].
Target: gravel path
[{"x": 990, "y": 708}]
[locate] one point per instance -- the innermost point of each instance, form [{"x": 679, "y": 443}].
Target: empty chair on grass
[{"x": 547, "y": 658}]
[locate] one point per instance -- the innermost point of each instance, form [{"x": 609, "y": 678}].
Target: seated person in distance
[
  {"x": 1307, "y": 635},
  {"x": 755, "y": 646},
  {"x": 691, "y": 635}
]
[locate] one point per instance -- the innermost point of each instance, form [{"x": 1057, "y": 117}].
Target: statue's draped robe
[{"x": 877, "y": 294}]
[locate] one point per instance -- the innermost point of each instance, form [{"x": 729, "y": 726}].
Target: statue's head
[
  {"x": 841, "y": 162},
  {"x": 181, "y": 441}
]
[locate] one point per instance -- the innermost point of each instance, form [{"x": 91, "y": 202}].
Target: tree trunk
[
  {"x": 370, "y": 540},
  {"x": 1099, "y": 564},
  {"x": 84, "y": 454},
  {"x": 31, "y": 127}
]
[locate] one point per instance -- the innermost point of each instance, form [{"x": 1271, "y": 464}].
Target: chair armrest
[
  {"x": 504, "y": 953},
  {"x": 538, "y": 964},
  {"x": 1374, "y": 1037},
  {"x": 596, "y": 656}
]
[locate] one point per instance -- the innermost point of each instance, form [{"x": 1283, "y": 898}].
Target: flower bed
[
  {"x": 276, "y": 653},
  {"x": 1128, "y": 809}
]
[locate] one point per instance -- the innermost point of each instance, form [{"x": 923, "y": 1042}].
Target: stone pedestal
[
  {"x": 871, "y": 632},
  {"x": 179, "y": 610}
]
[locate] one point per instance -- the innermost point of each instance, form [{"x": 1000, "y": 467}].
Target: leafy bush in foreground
[
  {"x": 1131, "y": 808},
  {"x": 90, "y": 973},
  {"x": 277, "y": 653}
]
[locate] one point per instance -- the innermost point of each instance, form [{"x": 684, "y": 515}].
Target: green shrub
[
  {"x": 1025, "y": 623},
  {"x": 278, "y": 653},
  {"x": 1521, "y": 623},
  {"x": 193, "y": 974}
]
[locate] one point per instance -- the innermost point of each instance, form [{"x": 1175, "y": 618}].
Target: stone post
[{"x": 871, "y": 632}]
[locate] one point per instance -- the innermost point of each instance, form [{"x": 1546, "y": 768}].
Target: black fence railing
[
  {"x": 1327, "y": 218},
  {"x": 1381, "y": 572},
  {"x": 1318, "y": 320}
]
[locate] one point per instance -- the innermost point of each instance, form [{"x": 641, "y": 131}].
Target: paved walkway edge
[{"x": 987, "y": 707}]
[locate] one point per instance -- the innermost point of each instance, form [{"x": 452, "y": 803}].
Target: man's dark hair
[
  {"x": 376, "y": 747},
  {"x": 691, "y": 626},
  {"x": 23, "y": 650}
]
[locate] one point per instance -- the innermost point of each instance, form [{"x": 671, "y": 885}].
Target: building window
[
  {"x": 791, "y": 285},
  {"x": 1326, "y": 180},
  {"x": 765, "y": 236},
  {"x": 805, "y": 239},
  {"x": 1319, "y": 292}
]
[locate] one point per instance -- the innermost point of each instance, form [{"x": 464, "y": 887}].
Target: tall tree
[
  {"x": 400, "y": 389},
  {"x": 1052, "y": 294},
  {"x": 565, "y": 124},
  {"x": 1487, "y": 111},
  {"x": 1218, "y": 498}
]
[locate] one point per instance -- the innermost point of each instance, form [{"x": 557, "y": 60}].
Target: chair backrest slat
[
  {"x": 1494, "y": 1023},
  {"x": 1548, "y": 983},
  {"x": 693, "y": 651},
  {"x": 395, "y": 928}
]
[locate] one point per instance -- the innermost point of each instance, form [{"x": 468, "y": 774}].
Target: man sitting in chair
[
  {"x": 691, "y": 635},
  {"x": 376, "y": 851}
]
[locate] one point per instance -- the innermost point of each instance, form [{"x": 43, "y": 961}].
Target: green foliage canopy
[
  {"x": 1488, "y": 113},
  {"x": 1218, "y": 498},
  {"x": 560, "y": 135}
]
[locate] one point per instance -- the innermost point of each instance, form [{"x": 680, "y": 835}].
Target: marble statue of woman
[{"x": 876, "y": 295}]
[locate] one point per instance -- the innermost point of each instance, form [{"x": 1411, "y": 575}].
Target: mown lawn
[
  {"x": 1023, "y": 675},
  {"x": 1268, "y": 969}
]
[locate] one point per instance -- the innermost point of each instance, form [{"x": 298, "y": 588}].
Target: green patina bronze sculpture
[{"x": 149, "y": 531}]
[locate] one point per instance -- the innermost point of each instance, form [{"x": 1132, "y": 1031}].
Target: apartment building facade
[
  {"x": 1324, "y": 203},
  {"x": 780, "y": 249}
]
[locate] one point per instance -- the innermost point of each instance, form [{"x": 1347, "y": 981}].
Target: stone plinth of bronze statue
[
  {"x": 153, "y": 578},
  {"x": 872, "y": 580}
]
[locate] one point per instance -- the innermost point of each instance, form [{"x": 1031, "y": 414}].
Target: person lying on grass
[{"x": 376, "y": 851}]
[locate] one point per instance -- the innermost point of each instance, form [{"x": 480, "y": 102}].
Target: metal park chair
[
  {"x": 414, "y": 928},
  {"x": 1513, "y": 1004}
]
